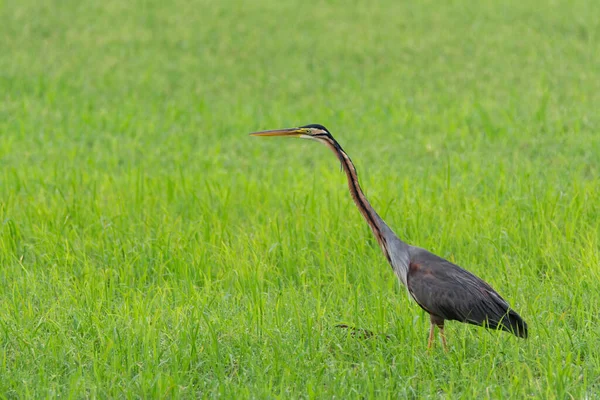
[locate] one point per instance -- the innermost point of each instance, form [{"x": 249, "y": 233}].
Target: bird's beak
[{"x": 293, "y": 132}]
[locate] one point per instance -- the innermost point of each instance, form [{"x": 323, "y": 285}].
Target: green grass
[{"x": 150, "y": 249}]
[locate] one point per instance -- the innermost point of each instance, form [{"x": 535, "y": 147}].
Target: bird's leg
[
  {"x": 443, "y": 335},
  {"x": 439, "y": 322},
  {"x": 431, "y": 335}
]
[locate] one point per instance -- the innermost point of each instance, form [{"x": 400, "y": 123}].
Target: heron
[{"x": 444, "y": 290}]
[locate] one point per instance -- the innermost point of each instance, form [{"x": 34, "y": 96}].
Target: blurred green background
[{"x": 150, "y": 248}]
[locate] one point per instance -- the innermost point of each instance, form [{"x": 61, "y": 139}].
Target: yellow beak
[{"x": 293, "y": 132}]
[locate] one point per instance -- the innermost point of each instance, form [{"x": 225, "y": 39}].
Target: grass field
[{"x": 150, "y": 249}]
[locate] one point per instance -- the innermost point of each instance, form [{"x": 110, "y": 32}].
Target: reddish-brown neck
[{"x": 373, "y": 219}]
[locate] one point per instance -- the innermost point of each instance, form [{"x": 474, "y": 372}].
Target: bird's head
[{"x": 313, "y": 131}]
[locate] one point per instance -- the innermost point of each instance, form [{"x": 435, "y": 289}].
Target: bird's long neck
[{"x": 380, "y": 229}]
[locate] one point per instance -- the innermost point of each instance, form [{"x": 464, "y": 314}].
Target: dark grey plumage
[{"x": 448, "y": 292}]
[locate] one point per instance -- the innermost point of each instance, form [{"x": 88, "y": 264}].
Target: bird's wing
[{"x": 448, "y": 291}]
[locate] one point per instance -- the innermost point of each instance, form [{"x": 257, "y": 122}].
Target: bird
[{"x": 444, "y": 290}]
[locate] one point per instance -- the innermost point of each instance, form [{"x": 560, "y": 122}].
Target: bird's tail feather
[{"x": 512, "y": 322}]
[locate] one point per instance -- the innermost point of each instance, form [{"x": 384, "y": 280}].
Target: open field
[{"x": 150, "y": 249}]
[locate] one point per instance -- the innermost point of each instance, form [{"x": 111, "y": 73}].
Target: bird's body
[{"x": 443, "y": 289}]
